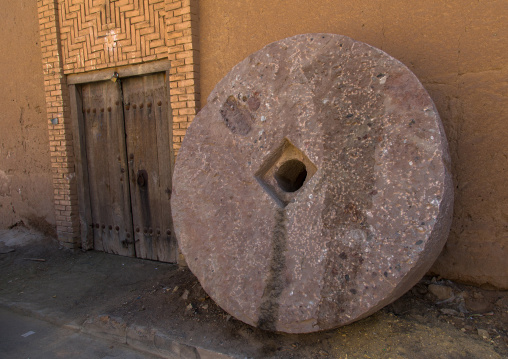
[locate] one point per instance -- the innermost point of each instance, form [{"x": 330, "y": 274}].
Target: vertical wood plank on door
[
  {"x": 166, "y": 248},
  {"x": 81, "y": 168},
  {"x": 120, "y": 225},
  {"x": 146, "y": 124},
  {"x": 94, "y": 145}
]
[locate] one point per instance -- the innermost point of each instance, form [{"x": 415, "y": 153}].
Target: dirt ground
[{"x": 436, "y": 319}]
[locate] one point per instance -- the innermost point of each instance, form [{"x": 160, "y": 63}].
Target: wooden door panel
[
  {"x": 149, "y": 160},
  {"x": 107, "y": 167}
]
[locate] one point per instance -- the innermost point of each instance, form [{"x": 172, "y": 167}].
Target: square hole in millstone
[{"x": 284, "y": 172}]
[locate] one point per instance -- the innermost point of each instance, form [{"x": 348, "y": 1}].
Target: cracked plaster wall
[
  {"x": 26, "y": 192},
  {"x": 458, "y": 49}
]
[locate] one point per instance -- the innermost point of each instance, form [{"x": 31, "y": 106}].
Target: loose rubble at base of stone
[{"x": 461, "y": 305}]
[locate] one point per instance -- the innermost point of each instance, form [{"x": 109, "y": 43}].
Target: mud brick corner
[{"x": 83, "y": 36}]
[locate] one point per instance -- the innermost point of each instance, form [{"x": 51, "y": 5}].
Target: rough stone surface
[
  {"x": 314, "y": 187},
  {"x": 483, "y": 333},
  {"x": 442, "y": 292}
]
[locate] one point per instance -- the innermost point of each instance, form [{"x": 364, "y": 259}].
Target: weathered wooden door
[{"x": 129, "y": 166}]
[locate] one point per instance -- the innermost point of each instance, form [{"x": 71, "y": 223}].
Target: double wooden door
[{"x": 129, "y": 162}]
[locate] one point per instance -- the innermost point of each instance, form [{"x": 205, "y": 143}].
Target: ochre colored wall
[
  {"x": 458, "y": 49},
  {"x": 26, "y": 191}
]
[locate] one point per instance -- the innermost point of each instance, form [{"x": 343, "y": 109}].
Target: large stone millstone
[{"x": 314, "y": 187}]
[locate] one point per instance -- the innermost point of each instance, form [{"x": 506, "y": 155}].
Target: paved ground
[
  {"x": 25, "y": 337},
  {"x": 162, "y": 310}
]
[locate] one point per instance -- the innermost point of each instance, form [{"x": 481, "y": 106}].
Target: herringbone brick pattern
[
  {"x": 97, "y": 34},
  {"x": 182, "y": 17}
]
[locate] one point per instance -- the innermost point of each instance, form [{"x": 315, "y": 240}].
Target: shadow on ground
[{"x": 436, "y": 319}]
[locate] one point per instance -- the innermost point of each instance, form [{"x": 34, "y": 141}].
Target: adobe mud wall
[
  {"x": 26, "y": 191},
  {"x": 458, "y": 50}
]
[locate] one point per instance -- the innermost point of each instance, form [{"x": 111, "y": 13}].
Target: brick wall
[
  {"x": 183, "y": 52},
  {"x": 60, "y": 136},
  {"x": 85, "y": 35}
]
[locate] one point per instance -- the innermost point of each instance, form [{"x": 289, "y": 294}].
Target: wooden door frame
[{"x": 78, "y": 130}]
